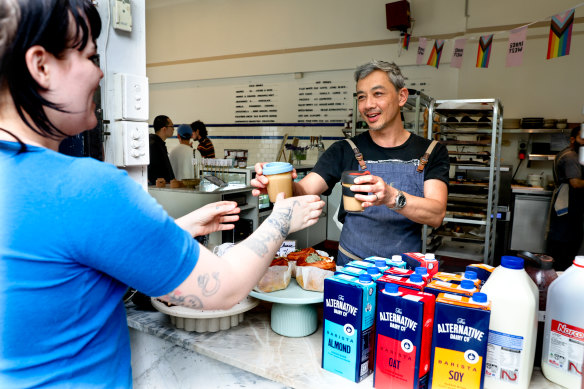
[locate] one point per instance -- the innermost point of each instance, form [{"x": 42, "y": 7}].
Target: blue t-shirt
[{"x": 74, "y": 234}]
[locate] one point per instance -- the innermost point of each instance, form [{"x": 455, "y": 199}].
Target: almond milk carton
[{"x": 349, "y": 316}]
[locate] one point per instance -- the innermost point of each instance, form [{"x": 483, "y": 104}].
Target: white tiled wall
[{"x": 266, "y": 149}]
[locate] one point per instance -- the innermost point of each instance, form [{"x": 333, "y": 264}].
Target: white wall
[
  {"x": 196, "y": 46},
  {"x": 121, "y": 52}
]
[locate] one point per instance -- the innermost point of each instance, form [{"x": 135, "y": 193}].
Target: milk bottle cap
[
  {"x": 467, "y": 284},
  {"x": 579, "y": 260},
  {"x": 511, "y": 262},
  {"x": 430, "y": 256},
  {"x": 373, "y": 270},
  {"x": 479, "y": 297},
  {"x": 397, "y": 258},
  {"x": 365, "y": 278},
  {"x": 380, "y": 263},
  {"x": 470, "y": 275},
  {"x": 416, "y": 279},
  {"x": 391, "y": 289},
  {"x": 421, "y": 270}
]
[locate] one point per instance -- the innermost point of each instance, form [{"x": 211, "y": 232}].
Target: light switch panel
[{"x": 131, "y": 97}]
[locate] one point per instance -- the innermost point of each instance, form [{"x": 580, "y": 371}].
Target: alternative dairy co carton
[
  {"x": 458, "y": 278},
  {"x": 414, "y": 282},
  {"x": 374, "y": 272},
  {"x": 399, "y": 272},
  {"x": 465, "y": 288},
  {"x": 403, "y": 339},
  {"x": 413, "y": 260},
  {"x": 394, "y": 261},
  {"x": 459, "y": 341},
  {"x": 349, "y": 315},
  {"x": 483, "y": 270}
]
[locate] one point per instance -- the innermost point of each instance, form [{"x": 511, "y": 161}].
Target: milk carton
[
  {"x": 459, "y": 341},
  {"x": 415, "y": 281},
  {"x": 349, "y": 315},
  {"x": 399, "y": 272},
  {"x": 394, "y": 261},
  {"x": 483, "y": 271},
  {"x": 403, "y": 338},
  {"x": 374, "y": 272},
  {"x": 465, "y": 288},
  {"x": 413, "y": 260},
  {"x": 458, "y": 278}
]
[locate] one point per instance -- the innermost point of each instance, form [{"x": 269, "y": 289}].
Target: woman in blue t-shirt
[{"x": 75, "y": 233}]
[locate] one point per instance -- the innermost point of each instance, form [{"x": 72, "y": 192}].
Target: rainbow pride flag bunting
[
  {"x": 560, "y": 34},
  {"x": 436, "y": 53},
  {"x": 484, "y": 53},
  {"x": 406, "y": 41}
]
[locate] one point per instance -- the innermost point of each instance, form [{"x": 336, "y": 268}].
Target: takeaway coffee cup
[
  {"x": 350, "y": 203},
  {"x": 279, "y": 179}
]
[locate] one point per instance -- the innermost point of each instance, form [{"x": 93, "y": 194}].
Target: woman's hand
[{"x": 210, "y": 218}]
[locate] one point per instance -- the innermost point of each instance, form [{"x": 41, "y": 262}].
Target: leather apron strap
[
  {"x": 358, "y": 155},
  {"x": 348, "y": 254},
  {"x": 426, "y": 157}
]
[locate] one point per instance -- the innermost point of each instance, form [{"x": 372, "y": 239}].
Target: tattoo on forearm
[
  {"x": 190, "y": 301},
  {"x": 279, "y": 219},
  {"x": 203, "y": 281}
]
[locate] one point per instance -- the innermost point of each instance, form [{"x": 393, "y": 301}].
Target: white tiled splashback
[{"x": 263, "y": 143}]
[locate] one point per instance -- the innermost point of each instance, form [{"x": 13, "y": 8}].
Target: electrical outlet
[{"x": 122, "y": 15}]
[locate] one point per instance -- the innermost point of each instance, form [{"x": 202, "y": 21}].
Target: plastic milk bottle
[
  {"x": 513, "y": 328},
  {"x": 563, "y": 337}
]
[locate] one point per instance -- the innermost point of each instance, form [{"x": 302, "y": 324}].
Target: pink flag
[
  {"x": 516, "y": 48},
  {"x": 456, "y": 61},
  {"x": 421, "y": 49}
]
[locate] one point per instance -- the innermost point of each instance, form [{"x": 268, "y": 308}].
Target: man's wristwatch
[{"x": 400, "y": 201}]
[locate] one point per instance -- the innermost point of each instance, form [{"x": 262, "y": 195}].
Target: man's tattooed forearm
[
  {"x": 209, "y": 290},
  {"x": 190, "y": 301}
]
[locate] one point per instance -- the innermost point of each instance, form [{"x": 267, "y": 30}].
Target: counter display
[{"x": 250, "y": 347}]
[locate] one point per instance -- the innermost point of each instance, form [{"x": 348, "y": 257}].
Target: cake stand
[
  {"x": 197, "y": 320},
  {"x": 294, "y": 310}
]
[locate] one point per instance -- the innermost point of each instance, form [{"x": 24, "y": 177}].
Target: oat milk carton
[
  {"x": 403, "y": 339},
  {"x": 349, "y": 316},
  {"x": 459, "y": 341}
]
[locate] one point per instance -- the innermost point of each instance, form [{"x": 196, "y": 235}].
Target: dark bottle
[{"x": 540, "y": 269}]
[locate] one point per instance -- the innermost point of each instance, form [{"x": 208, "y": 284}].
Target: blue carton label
[{"x": 349, "y": 314}]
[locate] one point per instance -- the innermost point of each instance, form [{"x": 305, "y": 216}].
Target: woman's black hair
[{"x": 45, "y": 23}]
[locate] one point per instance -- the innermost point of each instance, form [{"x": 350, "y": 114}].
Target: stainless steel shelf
[{"x": 486, "y": 134}]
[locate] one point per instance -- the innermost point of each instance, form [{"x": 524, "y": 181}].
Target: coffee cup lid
[
  {"x": 277, "y": 168},
  {"x": 349, "y": 176}
]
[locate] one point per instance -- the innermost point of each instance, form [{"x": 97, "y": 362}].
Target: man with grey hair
[{"x": 407, "y": 184}]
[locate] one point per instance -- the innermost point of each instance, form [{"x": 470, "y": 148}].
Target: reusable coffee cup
[
  {"x": 350, "y": 203},
  {"x": 279, "y": 179}
]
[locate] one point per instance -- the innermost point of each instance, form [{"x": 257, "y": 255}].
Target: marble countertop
[{"x": 254, "y": 347}]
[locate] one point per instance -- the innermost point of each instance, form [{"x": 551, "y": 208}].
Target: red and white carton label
[{"x": 566, "y": 347}]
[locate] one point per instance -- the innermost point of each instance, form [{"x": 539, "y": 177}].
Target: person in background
[
  {"x": 181, "y": 157},
  {"x": 205, "y": 146},
  {"x": 160, "y": 166},
  {"x": 566, "y": 214},
  {"x": 77, "y": 232},
  {"x": 408, "y": 181}
]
